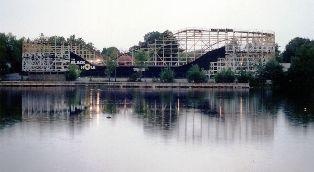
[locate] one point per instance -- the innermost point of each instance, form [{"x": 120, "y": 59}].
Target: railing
[{"x": 122, "y": 84}]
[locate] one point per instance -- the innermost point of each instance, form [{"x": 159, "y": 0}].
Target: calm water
[{"x": 85, "y": 129}]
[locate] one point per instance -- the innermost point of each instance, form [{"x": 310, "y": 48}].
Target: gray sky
[{"x": 123, "y": 23}]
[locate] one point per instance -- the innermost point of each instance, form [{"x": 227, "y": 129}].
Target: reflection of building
[
  {"x": 51, "y": 103},
  {"x": 215, "y": 117},
  {"x": 209, "y": 116}
]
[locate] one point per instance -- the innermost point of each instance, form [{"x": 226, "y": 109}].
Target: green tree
[
  {"x": 225, "y": 76},
  {"x": 10, "y": 53},
  {"x": 196, "y": 75},
  {"x": 278, "y": 54},
  {"x": 150, "y": 38},
  {"x": 111, "y": 52},
  {"x": 301, "y": 73},
  {"x": 291, "y": 48},
  {"x": 73, "y": 72},
  {"x": 141, "y": 58},
  {"x": 165, "y": 43},
  {"x": 59, "y": 40},
  {"x": 135, "y": 77},
  {"x": 110, "y": 68},
  {"x": 245, "y": 77},
  {"x": 90, "y": 46},
  {"x": 272, "y": 70},
  {"x": 167, "y": 75}
]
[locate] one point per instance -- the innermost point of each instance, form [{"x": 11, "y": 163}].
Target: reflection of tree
[
  {"x": 212, "y": 114},
  {"x": 197, "y": 100},
  {"x": 110, "y": 102},
  {"x": 74, "y": 100},
  {"x": 299, "y": 107},
  {"x": 159, "y": 109},
  {"x": 110, "y": 107},
  {"x": 10, "y": 107},
  {"x": 140, "y": 106}
]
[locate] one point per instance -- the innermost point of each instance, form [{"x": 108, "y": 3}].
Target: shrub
[
  {"x": 167, "y": 75},
  {"x": 245, "y": 77},
  {"x": 155, "y": 79},
  {"x": 73, "y": 73},
  {"x": 272, "y": 70},
  {"x": 196, "y": 75},
  {"x": 225, "y": 76},
  {"x": 135, "y": 77}
]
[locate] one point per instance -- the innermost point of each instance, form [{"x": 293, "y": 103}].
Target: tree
[
  {"x": 111, "y": 52},
  {"x": 245, "y": 77},
  {"x": 165, "y": 43},
  {"x": 150, "y": 38},
  {"x": 225, "y": 76},
  {"x": 301, "y": 73},
  {"x": 196, "y": 75},
  {"x": 278, "y": 54},
  {"x": 90, "y": 46},
  {"x": 170, "y": 47},
  {"x": 272, "y": 70},
  {"x": 73, "y": 72},
  {"x": 292, "y": 47},
  {"x": 10, "y": 53},
  {"x": 110, "y": 68},
  {"x": 141, "y": 57},
  {"x": 135, "y": 77},
  {"x": 167, "y": 75},
  {"x": 59, "y": 40}
]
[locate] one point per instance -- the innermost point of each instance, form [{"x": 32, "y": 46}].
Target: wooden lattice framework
[{"x": 244, "y": 49}]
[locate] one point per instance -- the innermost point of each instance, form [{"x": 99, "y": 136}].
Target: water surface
[{"x": 96, "y": 129}]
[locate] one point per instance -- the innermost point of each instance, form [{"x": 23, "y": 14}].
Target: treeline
[
  {"x": 71, "y": 40},
  {"x": 10, "y": 53},
  {"x": 299, "y": 52}
]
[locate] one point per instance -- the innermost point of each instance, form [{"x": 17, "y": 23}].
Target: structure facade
[
  {"x": 244, "y": 49},
  {"x": 211, "y": 49},
  {"x": 41, "y": 56}
]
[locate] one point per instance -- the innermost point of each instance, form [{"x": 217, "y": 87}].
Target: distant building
[{"x": 125, "y": 60}]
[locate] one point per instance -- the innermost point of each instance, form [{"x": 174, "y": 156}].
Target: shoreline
[{"x": 144, "y": 85}]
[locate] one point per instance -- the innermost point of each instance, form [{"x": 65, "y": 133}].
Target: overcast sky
[{"x": 122, "y": 23}]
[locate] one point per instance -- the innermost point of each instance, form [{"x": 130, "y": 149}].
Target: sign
[{"x": 82, "y": 64}]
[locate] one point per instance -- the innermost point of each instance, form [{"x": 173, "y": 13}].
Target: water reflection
[
  {"x": 187, "y": 116},
  {"x": 10, "y": 107},
  {"x": 299, "y": 109},
  {"x": 51, "y": 103},
  {"x": 51, "y": 129}
]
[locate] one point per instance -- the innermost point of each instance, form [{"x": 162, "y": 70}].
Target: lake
[{"x": 99, "y": 129}]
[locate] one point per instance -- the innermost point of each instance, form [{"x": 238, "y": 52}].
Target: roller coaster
[
  {"x": 211, "y": 49},
  {"x": 243, "y": 49}
]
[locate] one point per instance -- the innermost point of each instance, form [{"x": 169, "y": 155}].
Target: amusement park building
[{"x": 42, "y": 56}]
